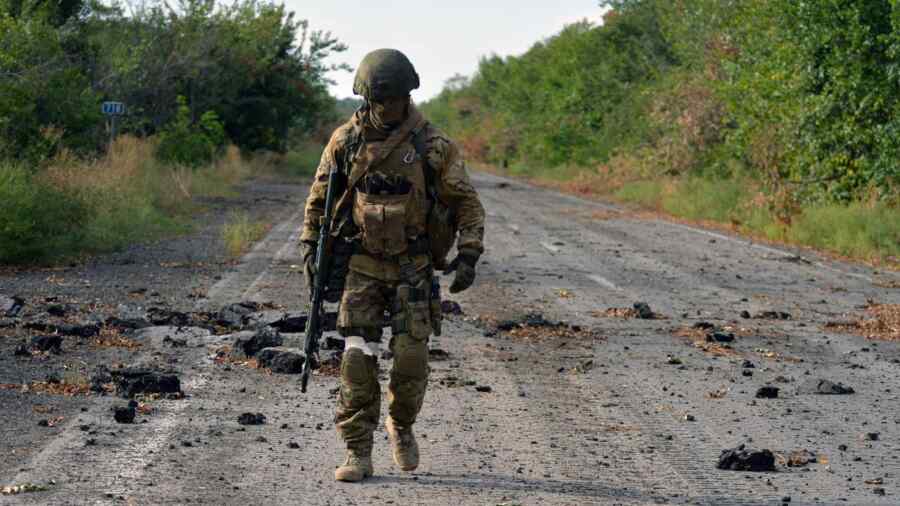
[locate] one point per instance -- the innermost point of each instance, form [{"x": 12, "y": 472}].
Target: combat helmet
[{"x": 385, "y": 73}]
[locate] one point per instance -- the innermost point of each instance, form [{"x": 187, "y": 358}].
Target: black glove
[{"x": 464, "y": 265}]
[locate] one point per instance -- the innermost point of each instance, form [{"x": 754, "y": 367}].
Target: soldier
[{"x": 403, "y": 177}]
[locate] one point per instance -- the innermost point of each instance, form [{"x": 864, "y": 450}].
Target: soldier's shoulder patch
[{"x": 439, "y": 150}]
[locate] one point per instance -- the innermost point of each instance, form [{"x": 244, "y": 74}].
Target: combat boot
[
  {"x": 406, "y": 449},
  {"x": 356, "y": 467}
]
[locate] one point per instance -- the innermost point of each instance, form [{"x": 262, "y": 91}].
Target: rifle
[{"x": 316, "y": 319}]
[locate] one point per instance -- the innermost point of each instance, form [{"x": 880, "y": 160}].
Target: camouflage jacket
[{"x": 451, "y": 180}]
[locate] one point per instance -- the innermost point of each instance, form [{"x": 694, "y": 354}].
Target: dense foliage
[
  {"x": 802, "y": 97},
  {"x": 260, "y": 71}
]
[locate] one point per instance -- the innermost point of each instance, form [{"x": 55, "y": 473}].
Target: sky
[{"x": 443, "y": 38}]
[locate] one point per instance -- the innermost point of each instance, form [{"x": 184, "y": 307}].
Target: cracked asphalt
[{"x": 620, "y": 411}]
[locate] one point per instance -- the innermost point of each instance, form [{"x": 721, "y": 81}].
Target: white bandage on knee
[{"x": 370, "y": 349}]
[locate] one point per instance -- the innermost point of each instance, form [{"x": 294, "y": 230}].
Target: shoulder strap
[{"x": 418, "y": 140}]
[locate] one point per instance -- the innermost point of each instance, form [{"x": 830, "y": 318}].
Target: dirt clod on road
[
  {"x": 252, "y": 419},
  {"x": 742, "y": 458}
]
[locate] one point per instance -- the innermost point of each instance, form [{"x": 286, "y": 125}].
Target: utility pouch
[
  {"x": 434, "y": 303},
  {"x": 411, "y": 310},
  {"x": 382, "y": 219}
]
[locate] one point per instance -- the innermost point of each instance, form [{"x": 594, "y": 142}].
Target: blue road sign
[{"x": 113, "y": 108}]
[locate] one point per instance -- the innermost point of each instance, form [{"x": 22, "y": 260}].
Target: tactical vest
[{"x": 390, "y": 223}]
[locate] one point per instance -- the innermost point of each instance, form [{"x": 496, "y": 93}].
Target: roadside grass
[
  {"x": 239, "y": 233},
  {"x": 856, "y": 230},
  {"x": 73, "y": 207},
  {"x": 869, "y": 232},
  {"x": 301, "y": 161}
]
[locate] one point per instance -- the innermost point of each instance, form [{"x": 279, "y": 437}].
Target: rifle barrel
[{"x": 314, "y": 323}]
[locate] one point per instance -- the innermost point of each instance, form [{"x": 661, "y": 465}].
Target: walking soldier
[{"x": 407, "y": 198}]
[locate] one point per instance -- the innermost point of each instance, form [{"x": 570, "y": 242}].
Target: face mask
[{"x": 389, "y": 112}]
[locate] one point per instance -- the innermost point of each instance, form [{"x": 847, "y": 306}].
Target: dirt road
[{"x": 604, "y": 409}]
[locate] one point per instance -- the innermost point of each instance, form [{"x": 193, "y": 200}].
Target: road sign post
[{"x": 112, "y": 110}]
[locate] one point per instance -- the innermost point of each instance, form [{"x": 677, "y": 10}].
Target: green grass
[
  {"x": 74, "y": 207},
  {"x": 644, "y": 193},
  {"x": 855, "y": 230},
  {"x": 868, "y": 232},
  {"x": 301, "y": 161},
  {"x": 36, "y": 219},
  {"x": 239, "y": 234}
]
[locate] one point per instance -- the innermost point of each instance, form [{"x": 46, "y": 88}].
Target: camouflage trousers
[{"x": 364, "y": 303}]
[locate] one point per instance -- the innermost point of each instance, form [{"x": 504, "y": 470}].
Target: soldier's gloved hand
[
  {"x": 464, "y": 265},
  {"x": 308, "y": 250}
]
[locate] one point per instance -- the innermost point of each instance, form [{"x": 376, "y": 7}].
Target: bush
[
  {"x": 37, "y": 221},
  {"x": 187, "y": 143}
]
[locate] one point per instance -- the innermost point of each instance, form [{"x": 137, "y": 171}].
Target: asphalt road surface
[{"x": 604, "y": 409}]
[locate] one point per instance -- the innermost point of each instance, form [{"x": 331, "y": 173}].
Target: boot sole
[{"x": 348, "y": 480}]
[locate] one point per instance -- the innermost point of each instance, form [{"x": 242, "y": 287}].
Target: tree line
[
  {"x": 196, "y": 73},
  {"x": 801, "y": 96}
]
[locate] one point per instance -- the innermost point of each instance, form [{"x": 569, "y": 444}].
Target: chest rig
[{"x": 390, "y": 205}]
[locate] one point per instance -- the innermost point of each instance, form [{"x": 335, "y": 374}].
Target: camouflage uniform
[{"x": 386, "y": 273}]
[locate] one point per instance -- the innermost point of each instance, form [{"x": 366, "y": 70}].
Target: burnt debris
[{"x": 746, "y": 459}]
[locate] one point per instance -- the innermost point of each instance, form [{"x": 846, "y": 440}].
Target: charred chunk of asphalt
[
  {"x": 233, "y": 315},
  {"x": 125, "y": 414},
  {"x": 437, "y": 354},
  {"x": 451, "y": 307},
  {"x": 10, "y": 306},
  {"x": 78, "y": 330},
  {"x": 47, "y": 343},
  {"x": 252, "y": 419},
  {"x": 643, "y": 311},
  {"x": 332, "y": 342},
  {"x": 281, "y": 360},
  {"x": 772, "y": 315},
  {"x": 266, "y": 337},
  {"x": 534, "y": 320},
  {"x": 297, "y": 324},
  {"x": 720, "y": 337},
  {"x": 126, "y": 324},
  {"x": 767, "y": 392},
  {"x": 290, "y": 324},
  {"x": 824, "y": 387},
  {"x": 162, "y": 316},
  {"x": 135, "y": 380},
  {"x": 61, "y": 310},
  {"x": 745, "y": 459}
]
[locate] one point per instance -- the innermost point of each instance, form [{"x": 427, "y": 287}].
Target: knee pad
[{"x": 410, "y": 356}]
